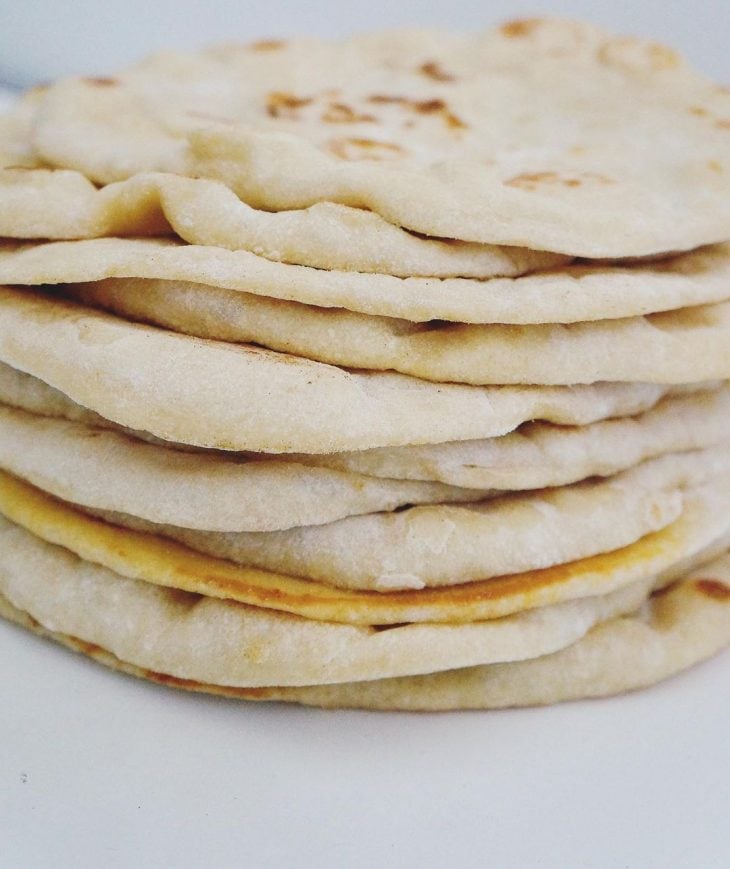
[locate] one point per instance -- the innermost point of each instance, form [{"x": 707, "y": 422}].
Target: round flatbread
[
  {"x": 569, "y": 294},
  {"x": 230, "y": 643},
  {"x": 550, "y": 135},
  {"x": 678, "y": 627},
  {"x": 108, "y": 470},
  {"x": 213, "y": 394},
  {"x": 540, "y": 454},
  {"x": 449, "y": 544},
  {"x": 690, "y": 344},
  {"x": 161, "y": 561}
]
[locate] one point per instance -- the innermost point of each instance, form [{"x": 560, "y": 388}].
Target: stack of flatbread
[{"x": 384, "y": 373}]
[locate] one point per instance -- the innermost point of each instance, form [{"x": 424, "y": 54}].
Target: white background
[
  {"x": 97, "y": 770},
  {"x": 40, "y": 39}
]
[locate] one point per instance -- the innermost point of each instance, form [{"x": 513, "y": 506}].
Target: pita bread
[
  {"x": 550, "y": 135},
  {"x": 443, "y": 545},
  {"x": 672, "y": 347},
  {"x": 677, "y": 628},
  {"x": 160, "y": 561},
  {"x": 97, "y": 468},
  {"x": 570, "y": 294},
  {"x": 211, "y": 394},
  {"x": 22, "y": 391},
  {"x": 228, "y": 642},
  {"x": 676, "y": 426},
  {"x": 94, "y": 467},
  {"x": 541, "y": 454},
  {"x": 66, "y": 205}
]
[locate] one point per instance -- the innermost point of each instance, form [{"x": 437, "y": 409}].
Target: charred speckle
[
  {"x": 520, "y": 27},
  {"x": 435, "y": 72},
  {"x": 713, "y": 588}
]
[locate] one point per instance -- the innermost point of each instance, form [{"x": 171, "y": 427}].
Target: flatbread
[
  {"x": 94, "y": 467},
  {"x": 541, "y": 454},
  {"x": 550, "y": 135},
  {"x": 23, "y": 391},
  {"x": 66, "y": 205},
  {"x": 566, "y": 295},
  {"x": 678, "y": 627},
  {"x": 672, "y": 347},
  {"x": 212, "y": 394},
  {"x": 228, "y": 642},
  {"x": 112, "y": 471},
  {"x": 445, "y": 545},
  {"x": 705, "y": 521},
  {"x": 687, "y": 417}
]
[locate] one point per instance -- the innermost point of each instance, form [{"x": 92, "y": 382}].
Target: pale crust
[
  {"x": 89, "y": 465},
  {"x": 690, "y": 344},
  {"x": 643, "y": 421},
  {"x": 228, "y": 642},
  {"x": 209, "y": 491},
  {"x": 48, "y": 204},
  {"x": 564, "y": 295},
  {"x": 540, "y": 454},
  {"x": 234, "y": 397},
  {"x": 549, "y": 134},
  {"x": 439, "y": 545},
  {"x": 678, "y": 627},
  {"x": 163, "y": 562}
]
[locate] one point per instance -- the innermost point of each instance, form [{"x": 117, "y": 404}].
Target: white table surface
[{"x": 98, "y": 770}]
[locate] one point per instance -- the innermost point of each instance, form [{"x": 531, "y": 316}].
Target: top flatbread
[{"x": 545, "y": 134}]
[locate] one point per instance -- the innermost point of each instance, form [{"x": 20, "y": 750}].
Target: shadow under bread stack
[{"x": 386, "y": 373}]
